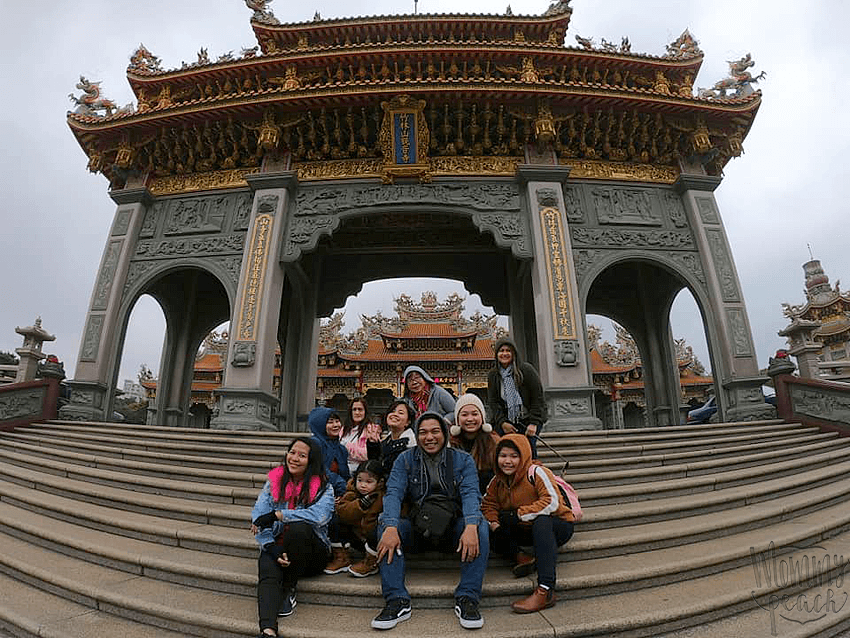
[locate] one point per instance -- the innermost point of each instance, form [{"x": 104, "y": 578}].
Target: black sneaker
[
  {"x": 394, "y": 612},
  {"x": 287, "y": 605},
  {"x": 467, "y": 612}
]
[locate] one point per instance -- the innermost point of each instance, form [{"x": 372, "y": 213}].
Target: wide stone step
[
  {"x": 660, "y": 459},
  {"x": 159, "y": 433},
  {"x": 632, "y": 491},
  {"x": 661, "y": 435},
  {"x": 198, "y": 612},
  {"x": 579, "y": 578},
  {"x": 199, "y": 490},
  {"x": 590, "y": 452},
  {"x": 673, "y": 469},
  {"x": 29, "y": 612},
  {"x": 814, "y": 482},
  {"x": 57, "y": 445}
]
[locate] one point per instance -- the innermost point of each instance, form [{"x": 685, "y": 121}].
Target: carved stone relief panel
[
  {"x": 152, "y": 215},
  {"x": 244, "y": 354},
  {"x": 691, "y": 263},
  {"x": 200, "y": 246},
  {"x": 566, "y": 353},
  {"x": 106, "y": 275},
  {"x": 572, "y": 407},
  {"x": 197, "y": 215},
  {"x": 323, "y": 201},
  {"x": 91, "y": 338},
  {"x": 122, "y": 222},
  {"x": 631, "y": 238},
  {"x": 21, "y": 403},
  {"x": 583, "y": 259},
  {"x": 267, "y": 205},
  {"x": 547, "y": 197},
  {"x": 496, "y": 207},
  {"x": 741, "y": 346},
  {"x": 723, "y": 265},
  {"x": 242, "y": 211},
  {"x": 574, "y": 204},
  {"x": 821, "y": 404},
  {"x": 233, "y": 267},
  {"x": 707, "y": 210},
  {"x": 136, "y": 271},
  {"x": 673, "y": 207},
  {"x": 626, "y": 206}
]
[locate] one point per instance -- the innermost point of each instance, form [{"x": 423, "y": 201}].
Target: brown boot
[
  {"x": 540, "y": 599},
  {"x": 339, "y": 561},
  {"x": 525, "y": 564},
  {"x": 366, "y": 567}
]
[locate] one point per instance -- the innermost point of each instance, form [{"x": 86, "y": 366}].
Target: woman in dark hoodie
[
  {"x": 515, "y": 395},
  {"x": 326, "y": 427}
]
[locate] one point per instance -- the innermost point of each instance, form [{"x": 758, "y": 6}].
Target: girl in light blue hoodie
[{"x": 290, "y": 523}]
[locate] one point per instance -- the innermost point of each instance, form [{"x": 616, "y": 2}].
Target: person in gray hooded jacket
[{"x": 424, "y": 395}]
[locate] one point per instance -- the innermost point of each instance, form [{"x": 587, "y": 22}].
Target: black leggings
[
  {"x": 307, "y": 555},
  {"x": 546, "y": 534}
]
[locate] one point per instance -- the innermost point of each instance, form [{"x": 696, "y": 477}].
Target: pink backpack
[{"x": 566, "y": 489}]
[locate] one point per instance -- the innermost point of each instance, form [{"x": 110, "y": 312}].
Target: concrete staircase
[{"x": 110, "y": 529}]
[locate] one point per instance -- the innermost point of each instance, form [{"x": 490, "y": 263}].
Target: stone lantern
[{"x": 30, "y": 353}]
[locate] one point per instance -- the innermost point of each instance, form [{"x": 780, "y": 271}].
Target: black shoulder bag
[{"x": 433, "y": 516}]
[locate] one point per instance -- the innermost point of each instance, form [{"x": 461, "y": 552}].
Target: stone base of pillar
[
  {"x": 243, "y": 409},
  {"x": 571, "y": 409},
  {"x": 86, "y": 402},
  {"x": 746, "y": 400}
]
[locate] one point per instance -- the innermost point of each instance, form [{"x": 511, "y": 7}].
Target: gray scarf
[{"x": 510, "y": 393}]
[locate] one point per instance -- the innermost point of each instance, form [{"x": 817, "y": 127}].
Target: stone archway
[
  {"x": 193, "y": 301},
  {"x": 638, "y": 294},
  {"x": 340, "y": 238}
]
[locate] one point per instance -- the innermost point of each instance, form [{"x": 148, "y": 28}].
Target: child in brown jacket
[
  {"x": 356, "y": 519},
  {"x": 524, "y": 506}
]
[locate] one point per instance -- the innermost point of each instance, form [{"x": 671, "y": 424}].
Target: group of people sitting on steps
[{"x": 440, "y": 479}]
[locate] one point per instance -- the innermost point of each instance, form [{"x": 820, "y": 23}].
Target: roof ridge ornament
[
  {"x": 144, "y": 61},
  {"x": 262, "y": 13},
  {"x": 684, "y": 46},
  {"x": 558, "y": 8},
  {"x": 91, "y": 103},
  {"x": 739, "y": 80}
]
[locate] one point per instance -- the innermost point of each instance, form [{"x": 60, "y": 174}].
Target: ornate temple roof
[{"x": 488, "y": 83}]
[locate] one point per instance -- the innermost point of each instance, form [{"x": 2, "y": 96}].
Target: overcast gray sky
[{"x": 783, "y": 193}]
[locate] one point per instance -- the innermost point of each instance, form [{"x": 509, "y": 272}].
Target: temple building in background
[
  {"x": 457, "y": 351},
  {"x": 819, "y": 332}
]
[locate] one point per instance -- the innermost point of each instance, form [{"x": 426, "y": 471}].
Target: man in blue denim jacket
[{"x": 417, "y": 473}]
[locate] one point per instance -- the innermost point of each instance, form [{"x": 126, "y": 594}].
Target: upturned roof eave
[
  {"x": 511, "y": 90},
  {"x": 138, "y": 78},
  {"x": 557, "y": 19}
]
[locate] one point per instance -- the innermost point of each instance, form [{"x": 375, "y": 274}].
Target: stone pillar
[
  {"x": 562, "y": 347},
  {"x": 734, "y": 360},
  {"x": 91, "y": 389},
  {"x": 30, "y": 352},
  {"x": 246, "y": 399}
]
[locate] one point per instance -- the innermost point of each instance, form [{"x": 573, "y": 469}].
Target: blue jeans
[{"x": 471, "y": 573}]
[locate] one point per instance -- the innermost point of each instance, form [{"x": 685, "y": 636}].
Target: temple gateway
[{"x": 554, "y": 181}]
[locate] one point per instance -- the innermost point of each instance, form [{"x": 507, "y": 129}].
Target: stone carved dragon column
[
  {"x": 561, "y": 336},
  {"x": 246, "y": 399},
  {"x": 734, "y": 358},
  {"x": 98, "y": 356}
]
